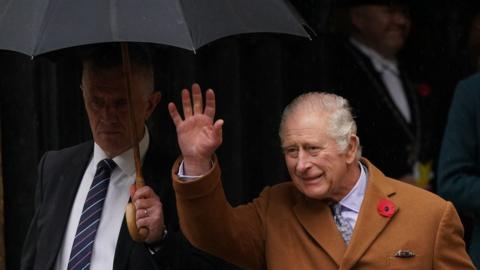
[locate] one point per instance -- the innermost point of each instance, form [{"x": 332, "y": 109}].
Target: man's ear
[
  {"x": 353, "y": 148},
  {"x": 152, "y": 103}
]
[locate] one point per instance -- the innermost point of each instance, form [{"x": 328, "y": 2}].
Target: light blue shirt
[{"x": 352, "y": 202}]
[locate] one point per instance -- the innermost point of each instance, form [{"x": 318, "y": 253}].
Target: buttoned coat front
[{"x": 282, "y": 229}]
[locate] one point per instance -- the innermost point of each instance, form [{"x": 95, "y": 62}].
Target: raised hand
[{"x": 198, "y": 135}]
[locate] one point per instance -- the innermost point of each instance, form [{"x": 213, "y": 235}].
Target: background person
[
  {"x": 459, "y": 166},
  {"x": 387, "y": 104}
]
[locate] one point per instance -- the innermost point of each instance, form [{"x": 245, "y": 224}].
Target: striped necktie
[
  {"x": 342, "y": 224},
  {"x": 92, "y": 212}
]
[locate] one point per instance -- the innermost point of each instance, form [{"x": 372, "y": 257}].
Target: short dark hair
[
  {"x": 109, "y": 55},
  {"x": 106, "y": 56}
]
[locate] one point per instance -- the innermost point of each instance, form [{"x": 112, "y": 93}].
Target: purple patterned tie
[
  {"x": 342, "y": 224},
  {"x": 92, "y": 212}
]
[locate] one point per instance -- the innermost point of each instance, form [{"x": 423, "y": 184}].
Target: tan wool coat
[{"x": 282, "y": 229}]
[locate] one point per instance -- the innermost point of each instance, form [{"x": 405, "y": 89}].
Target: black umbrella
[{"x": 40, "y": 26}]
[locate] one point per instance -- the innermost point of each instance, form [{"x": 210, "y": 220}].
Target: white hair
[{"x": 341, "y": 124}]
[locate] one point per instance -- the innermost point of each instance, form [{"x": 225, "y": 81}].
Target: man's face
[
  {"x": 316, "y": 165},
  {"x": 382, "y": 27},
  {"x": 107, "y": 108}
]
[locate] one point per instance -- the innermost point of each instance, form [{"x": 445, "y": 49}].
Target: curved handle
[{"x": 138, "y": 234}]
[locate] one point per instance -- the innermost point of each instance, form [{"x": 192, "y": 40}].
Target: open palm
[{"x": 198, "y": 135}]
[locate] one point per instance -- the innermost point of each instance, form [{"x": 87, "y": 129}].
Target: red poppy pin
[
  {"x": 424, "y": 89},
  {"x": 386, "y": 208}
]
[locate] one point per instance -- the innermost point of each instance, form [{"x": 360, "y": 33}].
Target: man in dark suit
[
  {"x": 384, "y": 100},
  {"x": 66, "y": 189}
]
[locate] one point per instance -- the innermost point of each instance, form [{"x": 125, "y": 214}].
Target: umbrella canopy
[{"x": 40, "y": 26}]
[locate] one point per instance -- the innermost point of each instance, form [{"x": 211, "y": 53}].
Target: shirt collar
[
  {"x": 125, "y": 160},
  {"x": 354, "y": 198},
  {"x": 380, "y": 63}
]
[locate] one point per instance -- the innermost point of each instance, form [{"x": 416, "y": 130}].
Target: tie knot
[
  {"x": 106, "y": 165},
  {"x": 336, "y": 209},
  {"x": 343, "y": 226}
]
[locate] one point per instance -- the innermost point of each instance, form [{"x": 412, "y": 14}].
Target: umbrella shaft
[{"x": 127, "y": 71}]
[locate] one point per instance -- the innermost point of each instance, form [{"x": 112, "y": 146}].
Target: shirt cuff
[
  {"x": 182, "y": 176},
  {"x": 157, "y": 247}
]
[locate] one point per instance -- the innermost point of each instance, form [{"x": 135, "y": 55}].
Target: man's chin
[
  {"x": 112, "y": 138},
  {"x": 314, "y": 192},
  {"x": 112, "y": 144},
  {"x": 110, "y": 133}
]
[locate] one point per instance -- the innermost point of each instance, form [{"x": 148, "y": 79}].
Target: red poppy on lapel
[
  {"x": 424, "y": 89},
  {"x": 386, "y": 208}
]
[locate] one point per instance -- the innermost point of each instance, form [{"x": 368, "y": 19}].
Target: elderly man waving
[{"x": 338, "y": 212}]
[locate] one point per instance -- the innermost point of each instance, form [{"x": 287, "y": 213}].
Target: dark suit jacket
[
  {"x": 60, "y": 173},
  {"x": 386, "y": 137},
  {"x": 282, "y": 229}
]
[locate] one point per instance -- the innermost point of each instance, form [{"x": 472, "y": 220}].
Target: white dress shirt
[
  {"x": 352, "y": 202},
  {"x": 118, "y": 193},
  {"x": 388, "y": 69}
]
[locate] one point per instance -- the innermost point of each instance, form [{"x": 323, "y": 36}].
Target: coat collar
[
  {"x": 316, "y": 217},
  {"x": 369, "y": 223}
]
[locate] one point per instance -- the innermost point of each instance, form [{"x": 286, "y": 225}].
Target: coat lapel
[
  {"x": 369, "y": 223},
  {"x": 62, "y": 201},
  {"x": 415, "y": 112},
  {"x": 316, "y": 217}
]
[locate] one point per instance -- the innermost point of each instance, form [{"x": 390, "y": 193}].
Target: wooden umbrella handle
[{"x": 137, "y": 234}]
